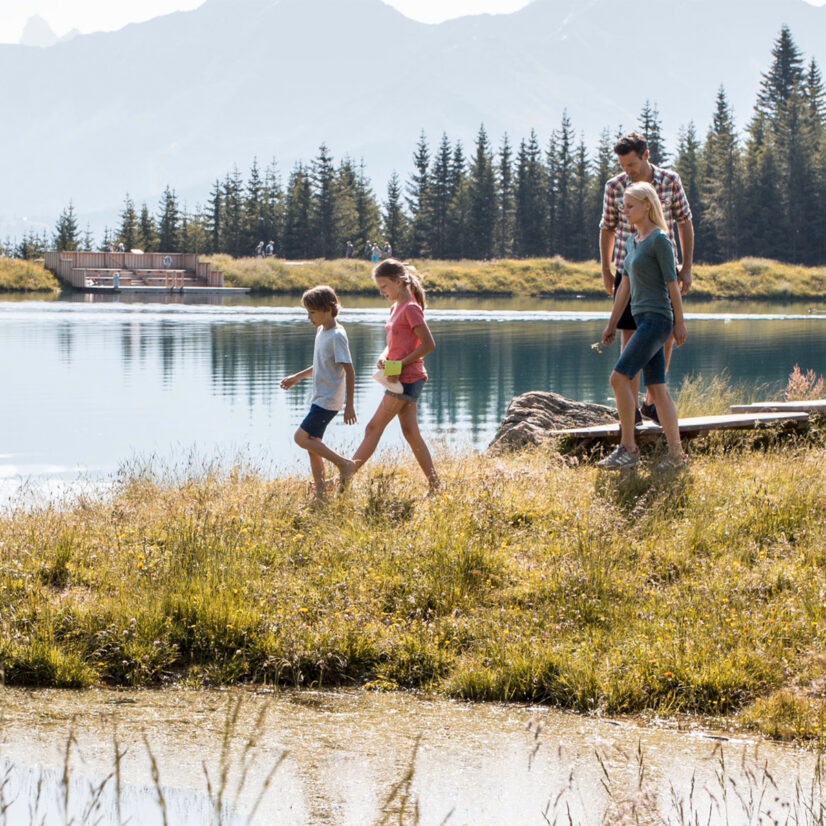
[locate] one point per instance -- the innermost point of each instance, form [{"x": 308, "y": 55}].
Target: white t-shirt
[{"x": 331, "y": 353}]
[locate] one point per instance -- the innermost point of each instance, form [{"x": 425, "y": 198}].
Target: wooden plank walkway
[
  {"x": 690, "y": 427},
  {"x": 814, "y": 406}
]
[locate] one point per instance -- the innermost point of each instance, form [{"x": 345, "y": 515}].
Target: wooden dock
[
  {"x": 691, "y": 427},
  {"x": 136, "y": 272}
]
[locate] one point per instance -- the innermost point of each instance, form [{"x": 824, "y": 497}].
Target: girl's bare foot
[{"x": 346, "y": 473}]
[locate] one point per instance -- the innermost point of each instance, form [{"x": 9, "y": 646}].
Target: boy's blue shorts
[
  {"x": 316, "y": 421},
  {"x": 644, "y": 350}
]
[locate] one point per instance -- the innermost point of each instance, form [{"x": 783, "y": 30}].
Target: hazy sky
[{"x": 104, "y": 15}]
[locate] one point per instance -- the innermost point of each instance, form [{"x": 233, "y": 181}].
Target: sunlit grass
[
  {"x": 26, "y": 276},
  {"x": 528, "y": 578},
  {"x": 747, "y": 278}
]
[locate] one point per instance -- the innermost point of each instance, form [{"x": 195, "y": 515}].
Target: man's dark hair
[{"x": 632, "y": 142}]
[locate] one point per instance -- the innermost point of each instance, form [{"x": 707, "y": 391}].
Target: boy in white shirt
[{"x": 334, "y": 382}]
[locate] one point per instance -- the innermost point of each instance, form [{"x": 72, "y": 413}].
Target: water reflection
[
  {"x": 344, "y": 751},
  {"x": 88, "y": 385}
]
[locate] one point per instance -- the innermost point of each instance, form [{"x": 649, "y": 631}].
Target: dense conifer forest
[{"x": 759, "y": 191}]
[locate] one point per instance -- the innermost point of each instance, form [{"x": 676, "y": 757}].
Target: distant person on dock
[
  {"x": 270, "y": 249},
  {"x": 348, "y": 250},
  {"x": 409, "y": 340},
  {"x": 259, "y": 250},
  {"x": 649, "y": 283},
  {"x": 388, "y": 250},
  {"x": 633, "y": 154},
  {"x": 333, "y": 385},
  {"x": 375, "y": 254},
  {"x": 368, "y": 250}
]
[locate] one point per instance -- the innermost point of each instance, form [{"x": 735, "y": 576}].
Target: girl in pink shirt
[{"x": 409, "y": 340}]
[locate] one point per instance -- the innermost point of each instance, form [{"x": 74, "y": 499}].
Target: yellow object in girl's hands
[{"x": 392, "y": 368}]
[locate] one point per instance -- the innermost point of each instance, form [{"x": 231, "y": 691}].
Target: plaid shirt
[{"x": 672, "y": 197}]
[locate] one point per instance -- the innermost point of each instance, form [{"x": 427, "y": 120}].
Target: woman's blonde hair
[
  {"x": 643, "y": 191},
  {"x": 396, "y": 271}
]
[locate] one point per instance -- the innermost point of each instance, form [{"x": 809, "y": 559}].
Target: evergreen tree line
[{"x": 760, "y": 194}]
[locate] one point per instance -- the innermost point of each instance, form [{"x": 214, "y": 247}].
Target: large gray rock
[{"x": 531, "y": 416}]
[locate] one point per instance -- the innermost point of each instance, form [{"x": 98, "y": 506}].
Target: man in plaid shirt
[{"x": 614, "y": 230}]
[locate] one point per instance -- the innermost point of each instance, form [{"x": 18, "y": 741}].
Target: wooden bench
[
  {"x": 690, "y": 427},
  {"x": 813, "y": 406}
]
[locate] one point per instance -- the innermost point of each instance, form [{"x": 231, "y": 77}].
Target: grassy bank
[
  {"x": 530, "y": 578},
  {"x": 26, "y": 276},
  {"x": 748, "y": 278}
]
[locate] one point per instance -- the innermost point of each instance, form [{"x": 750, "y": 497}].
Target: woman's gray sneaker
[{"x": 620, "y": 459}]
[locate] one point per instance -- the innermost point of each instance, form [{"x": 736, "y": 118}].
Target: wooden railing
[{"x": 176, "y": 268}]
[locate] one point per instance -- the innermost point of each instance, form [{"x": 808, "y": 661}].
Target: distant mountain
[
  {"x": 37, "y": 32},
  {"x": 179, "y": 99}
]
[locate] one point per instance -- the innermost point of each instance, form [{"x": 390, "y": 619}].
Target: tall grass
[
  {"x": 26, "y": 276},
  {"x": 747, "y": 278},
  {"x": 530, "y": 578}
]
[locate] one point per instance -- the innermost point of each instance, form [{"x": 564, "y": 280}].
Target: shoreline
[{"x": 747, "y": 279}]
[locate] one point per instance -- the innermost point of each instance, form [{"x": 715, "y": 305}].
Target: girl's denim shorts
[
  {"x": 412, "y": 391},
  {"x": 645, "y": 350}
]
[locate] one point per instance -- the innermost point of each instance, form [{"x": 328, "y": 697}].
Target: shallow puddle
[{"x": 343, "y": 754}]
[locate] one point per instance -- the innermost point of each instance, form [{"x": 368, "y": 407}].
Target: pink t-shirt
[{"x": 402, "y": 340}]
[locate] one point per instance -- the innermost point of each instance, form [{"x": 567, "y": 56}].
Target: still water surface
[
  {"x": 485, "y": 764},
  {"x": 90, "y": 385}
]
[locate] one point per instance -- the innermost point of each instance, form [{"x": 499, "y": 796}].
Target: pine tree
[
  {"x": 298, "y": 230},
  {"x": 481, "y": 199},
  {"x": 784, "y": 79},
  {"x": 719, "y": 186},
  {"x": 505, "y": 201},
  {"x": 764, "y": 228},
  {"x": 169, "y": 222},
  {"x": 394, "y": 220},
  {"x": 215, "y": 225},
  {"x": 129, "y": 231},
  {"x": 439, "y": 189},
  {"x": 582, "y": 242},
  {"x": 233, "y": 237},
  {"x": 459, "y": 210},
  {"x": 687, "y": 164},
  {"x": 34, "y": 246},
  {"x": 273, "y": 196},
  {"x": 147, "y": 231},
  {"x": 346, "y": 218},
  {"x": 254, "y": 218},
  {"x": 194, "y": 233},
  {"x": 66, "y": 235},
  {"x": 530, "y": 199},
  {"x": 367, "y": 210},
  {"x": 561, "y": 202},
  {"x": 815, "y": 94},
  {"x": 87, "y": 243},
  {"x": 324, "y": 203},
  {"x": 651, "y": 127},
  {"x": 418, "y": 193},
  {"x": 605, "y": 167}
]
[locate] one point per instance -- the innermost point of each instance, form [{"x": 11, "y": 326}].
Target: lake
[{"x": 91, "y": 383}]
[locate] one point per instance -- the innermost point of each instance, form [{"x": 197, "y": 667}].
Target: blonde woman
[{"x": 650, "y": 284}]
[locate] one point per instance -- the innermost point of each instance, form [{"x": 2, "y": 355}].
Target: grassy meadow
[
  {"x": 531, "y": 577},
  {"x": 748, "y": 278}
]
